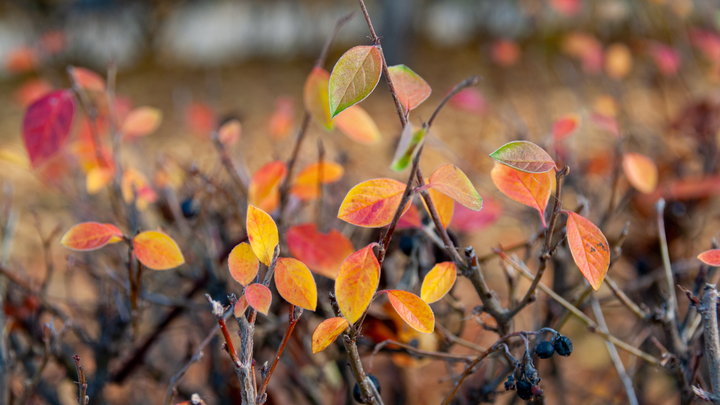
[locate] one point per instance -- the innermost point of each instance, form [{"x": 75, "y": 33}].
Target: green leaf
[
  {"x": 354, "y": 77},
  {"x": 524, "y": 156},
  {"x": 410, "y": 141}
]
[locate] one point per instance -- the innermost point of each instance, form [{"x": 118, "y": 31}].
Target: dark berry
[
  {"x": 524, "y": 389},
  {"x": 545, "y": 350},
  {"x": 563, "y": 345},
  {"x": 357, "y": 395},
  {"x": 406, "y": 244},
  {"x": 189, "y": 208},
  {"x": 510, "y": 383}
]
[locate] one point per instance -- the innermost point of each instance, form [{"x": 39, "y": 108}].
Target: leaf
[
  {"x": 240, "y": 306},
  {"x": 88, "y": 236},
  {"x": 87, "y": 79},
  {"x": 372, "y": 203},
  {"x": 46, "y": 125},
  {"x": 358, "y": 125},
  {"x": 306, "y": 183},
  {"x": 141, "y": 121},
  {"x": 323, "y": 253},
  {"x": 295, "y": 283},
  {"x": 531, "y": 189},
  {"x": 410, "y": 219},
  {"x": 469, "y": 100},
  {"x": 316, "y": 97},
  {"x": 230, "y": 132},
  {"x": 618, "y": 61},
  {"x": 413, "y": 310},
  {"x": 451, "y": 181},
  {"x": 565, "y": 127},
  {"x": 409, "y": 145},
  {"x": 505, "y": 52},
  {"x": 32, "y": 90},
  {"x": 200, "y": 118},
  {"x": 281, "y": 120},
  {"x": 710, "y": 257},
  {"x": 605, "y": 123},
  {"x": 118, "y": 235},
  {"x": 98, "y": 178},
  {"x": 354, "y": 77},
  {"x": 259, "y": 297},
  {"x": 641, "y": 172},
  {"x": 264, "y": 189},
  {"x": 157, "y": 251},
  {"x": 243, "y": 264},
  {"x": 466, "y": 220},
  {"x": 589, "y": 248},
  {"x": 327, "y": 332},
  {"x": 444, "y": 205},
  {"x": 438, "y": 282},
  {"x": 411, "y": 89},
  {"x": 356, "y": 283},
  {"x": 262, "y": 233},
  {"x": 134, "y": 180},
  {"x": 524, "y": 156}
]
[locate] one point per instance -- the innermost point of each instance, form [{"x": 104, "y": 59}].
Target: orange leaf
[
  {"x": 264, "y": 189},
  {"x": 322, "y": 253},
  {"x": 327, "y": 332},
  {"x": 411, "y": 218},
  {"x": 262, "y": 233},
  {"x": 88, "y": 236},
  {"x": 200, "y": 118},
  {"x": 134, "y": 180},
  {"x": 438, "y": 282},
  {"x": 259, "y": 297},
  {"x": 444, "y": 205},
  {"x": 531, "y": 189},
  {"x": 87, "y": 79},
  {"x": 356, "y": 283},
  {"x": 710, "y": 257},
  {"x": 281, "y": 120},
  {"x": 413, "y": 310},
  {"x": 306, "y": 184},
  {"x": 32, "y": 90},
  {"x": 240, "y": 306},
  {"x": 295, "y": 283},
  {"x": 157, "y": 251},
  {"x": 229, "y": 133},
  {"x": 141, "y": 121},
  {"x": 316, "y": 97},
  {"x": 243, "y": 264},
  {"x": 524, "y": 156},
  {"x": 118, "y": 235},
  {"x": 358, "y": 125},
  {"x": 372, "y": 203},
  {"x": 565, "y": 127},
  {"x": 98, "y": 178},
  {"x": 618, "y": 61},
  {"x": 641, "y": 172},
  {"x": 411, "y": 89},
  {"x": 505, "y": 52},
  {"x": 589, "y": 248},
  {"x": 354, "y": 77},
  {"x": 451, "y": 181}
]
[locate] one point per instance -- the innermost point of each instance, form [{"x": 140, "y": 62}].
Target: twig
[
  {"x": 229, "y": 165},
  {"x": 446, "y": 334},
  {"x": 708, "y": 311},
  {"x": 671, "y": 311},
  {"x": 491, "y": 305},
  {"x": 469, "y": 82},
  {"x": 440, "y": 355},
  {"x": 83, "y": 399},
  {"x": 295, "y": 313}
]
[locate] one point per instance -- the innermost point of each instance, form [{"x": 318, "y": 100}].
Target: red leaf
[
  {"x": 467, "y": 220},
  {"x": 710, "y": 257},
  {"x": 259, "y": 297},
  {"x": 322, "y": 253},
  {"x": 47, "y": 124}
]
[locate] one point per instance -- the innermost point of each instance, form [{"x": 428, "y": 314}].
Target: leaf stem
[{"x": 295, "y": 313}]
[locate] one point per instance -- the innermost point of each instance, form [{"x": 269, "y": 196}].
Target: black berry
[
  {"x": 357, "y": 395},
  {"x": 189, "y": 208},
  {"x": 524, "y": 389},
  {"x": 406, "y": 244},
  {"x": 545, "y": 350},
  {"x": 563, "y": 345}
]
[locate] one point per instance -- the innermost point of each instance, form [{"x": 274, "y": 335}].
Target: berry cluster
[{"x": 525, "y": 379}]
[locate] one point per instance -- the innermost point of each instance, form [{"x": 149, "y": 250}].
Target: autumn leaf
[
  {"x": 451, "y": 181},
  {"x": 240, "y": 306},
  {"x": 438, "y": 282},
  {"x": 118, "y": 235},
  {"x": 327, "y": 332},
  {"x": 411, "y": 218},
  {"x": 306, "y": 188},
  {"x": 641, "y": 172},
  {"x": 469, "y": 100},
  {"x": 524, "y": 156},
  {"x": 264, "y": 189},
  {"x": 141, "y": 121},
  {"x": 531, "y": 189},
  {"x": 316, "y": 97},
  {"x": 243, "y": 264},
  {"x": 46, "y": 125},
  {"x": 354, "y": 77},
  {"x": 200, "y": 118},
  {"x": 135, "y": 183},
  {"x": 618, "y": 61},
  {"x": 372, "y": 203},
  {"x": 295, "y": 283},
  {"x": 229, "y": 133},
  {"x": 409, "y": 145},
  {"x": 259, "y": 297},
  {"x": 466, "y": 220},
  {"x": 356, "y": 283},
  {"x": 413, "y": 310},
  {"x": 32, "y": 90},
  {"x": 358, "y": 125},
  {"x": 589, "y": 248},
  {"x": 262, "y": 233},
  {"x": 281, "y": 120},
  {"x": 606, "y": 123},
  {"x": 88, "y": 236},
  {"x": 565, "y": 127},
  {"x": 157, "y": 251},
  {"x": 323, "y": 253},
  {"x": 505, "y": 52},
  {"x": 710, "y": 257},
  {"x": 98, "y": 178},
  {"x": 87, "y": 79},
  {"x": 444, "y": 205},
  {"x": 411, "y": 89}
]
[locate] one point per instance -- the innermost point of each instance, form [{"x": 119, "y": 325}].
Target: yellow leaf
[
  {"x": 327, "y": 332},
  {"x": 356, "y": 283},
  {"x": 413, "y": 310},
  {"x": 157, "y": 251},
  {"x": 243, "y": 264},
  {"x": 438, "y": 282},
  {"x": 295, "y": 283},
  {"x": 262, "y": 233}
]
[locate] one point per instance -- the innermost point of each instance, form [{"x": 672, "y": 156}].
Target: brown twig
[
  {"x": 295, "y": 313},
  {"x": 440, "y": 355},
  {"x": 82, "y": 384},
  {"x": 229, "y": 165},
  {"x": 711, "y": 337}
]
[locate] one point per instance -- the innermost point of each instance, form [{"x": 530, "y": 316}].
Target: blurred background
[{"x": 646, "y": 70}]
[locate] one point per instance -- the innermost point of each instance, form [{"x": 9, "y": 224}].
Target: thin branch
[
  {"x": 83, "y": 399},
  {"x": 671, "y": 312},
  {"x": 229, "y": 165},
  {"x": 708, "y": 311},
  {"x": 469, "y": 82},
  {"x": 295, "y": 313},
  {"x": 439, "y": 355}
]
